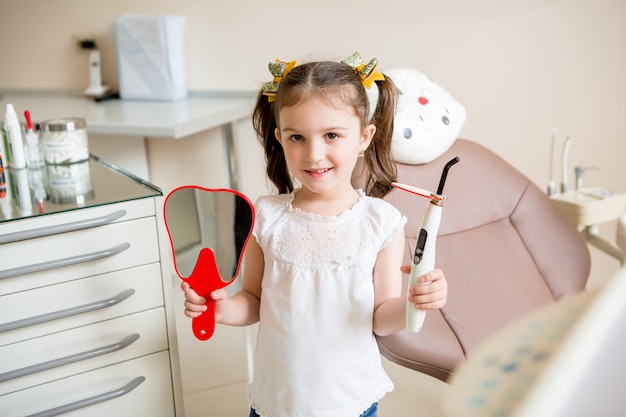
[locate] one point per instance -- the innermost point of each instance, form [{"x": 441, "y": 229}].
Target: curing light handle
[
  {"x": 424, "y": 256},
  {"x": 423, "y": 262}
]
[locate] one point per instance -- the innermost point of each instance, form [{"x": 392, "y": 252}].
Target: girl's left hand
[{"x": 432, "y": 293}]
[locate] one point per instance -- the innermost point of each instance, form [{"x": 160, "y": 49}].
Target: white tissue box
[{"x": 151, "y": 57}]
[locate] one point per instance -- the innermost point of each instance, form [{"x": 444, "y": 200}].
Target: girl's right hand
[{"x": 195, "y": 304}]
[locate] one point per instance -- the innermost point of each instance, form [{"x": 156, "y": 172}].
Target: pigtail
[
  {"x": 264, "y": 123},
  {"x": 378, "y": 159}
]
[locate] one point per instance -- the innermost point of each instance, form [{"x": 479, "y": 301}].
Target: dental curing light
[{"x": 424, "y": 255}]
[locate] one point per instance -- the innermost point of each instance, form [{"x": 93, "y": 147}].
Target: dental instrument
[
  {"x": 552, "y": 184},
  {"x": 564, "y": 181},
  {"x": 424, "y": 255}
]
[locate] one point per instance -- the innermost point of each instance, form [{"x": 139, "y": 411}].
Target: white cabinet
[
  {"x": 85, "y": 327},
  {"x": 133, "y": 388}
]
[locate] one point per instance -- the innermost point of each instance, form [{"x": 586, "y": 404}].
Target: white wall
[{"x": 520, "y": 68}]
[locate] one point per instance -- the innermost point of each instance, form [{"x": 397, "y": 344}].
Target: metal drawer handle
[
  {"x": 57, "y": 263},
  {"x": 77, "y": 357},
  {"x": 72, "y": 311},
  {"x": 91, "y": 400},
  {"x": 61, "y": 228}
]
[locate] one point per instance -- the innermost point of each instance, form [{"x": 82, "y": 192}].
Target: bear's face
[{"x": 428, "y": 119}]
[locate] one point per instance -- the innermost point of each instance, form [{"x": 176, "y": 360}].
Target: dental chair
[{"x": 504, "y": 247}]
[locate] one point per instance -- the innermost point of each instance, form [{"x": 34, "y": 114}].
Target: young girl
[{"x": 323, "y": 274}]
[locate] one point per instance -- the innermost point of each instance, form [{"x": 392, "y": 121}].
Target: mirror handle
[
  {"x": 205, "y": 279},
  {"x": 203, "y": 326}
]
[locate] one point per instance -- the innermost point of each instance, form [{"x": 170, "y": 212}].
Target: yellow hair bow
[
  {"x": 279, "y": 70},
  {"x": 368, "y": 73}
]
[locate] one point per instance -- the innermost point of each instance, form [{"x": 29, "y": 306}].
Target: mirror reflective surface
[{"x": 208, "y": 230}]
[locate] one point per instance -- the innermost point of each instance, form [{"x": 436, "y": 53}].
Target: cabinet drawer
[
  {"x": 59, "y": 355},
  {"x": 54, "y": 308},
  {"x": 151, "y": 397},
  {"x": 84, "y": 217},
  {"x": 47, "y": 260}
]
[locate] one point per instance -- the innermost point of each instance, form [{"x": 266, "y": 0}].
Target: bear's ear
[{"x": 428, "y": 119}]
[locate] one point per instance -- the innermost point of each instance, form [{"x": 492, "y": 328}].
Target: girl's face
[{"x": 321, "y": 145}]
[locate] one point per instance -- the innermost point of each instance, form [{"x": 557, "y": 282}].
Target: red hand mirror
[{"x": 208, "y": 230}]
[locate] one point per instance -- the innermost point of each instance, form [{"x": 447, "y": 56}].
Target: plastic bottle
[
  {"x": 12, "y": 126},
  {"x": 33, "y": 146},
  {"x": 3, "y": 181},
  {"x": 4, "y": 145},
  {"x": 22, "y": 192}
]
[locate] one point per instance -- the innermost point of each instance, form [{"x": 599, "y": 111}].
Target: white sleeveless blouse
[{"x": 316, "y": 355}]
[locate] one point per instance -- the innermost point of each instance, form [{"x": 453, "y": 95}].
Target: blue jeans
[{"x": 372, "y": 412}]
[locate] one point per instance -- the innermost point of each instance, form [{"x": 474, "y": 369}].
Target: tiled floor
[{"x": 415, "y": 394}]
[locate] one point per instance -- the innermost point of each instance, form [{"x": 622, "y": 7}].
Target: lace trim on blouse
[{"x": 313, "y": 240}]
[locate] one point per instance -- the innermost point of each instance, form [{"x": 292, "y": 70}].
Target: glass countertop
[{"x": 32, "y": 192}]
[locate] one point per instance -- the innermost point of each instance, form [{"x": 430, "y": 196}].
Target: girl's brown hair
[{"x": 338, "y": 84}]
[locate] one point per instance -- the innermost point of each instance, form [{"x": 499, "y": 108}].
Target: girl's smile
[{"x": 317, "y": 173}]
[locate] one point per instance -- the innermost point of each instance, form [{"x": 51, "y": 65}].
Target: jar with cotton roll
[{"x": 65, "y": 140}]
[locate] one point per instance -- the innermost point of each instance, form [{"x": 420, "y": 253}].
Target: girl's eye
[
  {"x": 296, "y": 138},
  {"x": 332, "y": 136}
]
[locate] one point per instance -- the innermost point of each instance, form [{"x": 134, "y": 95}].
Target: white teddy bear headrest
[{"x": 428, "y": 119}]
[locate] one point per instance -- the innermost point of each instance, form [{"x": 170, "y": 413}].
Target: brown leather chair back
[{"x": 505, "y": 248}]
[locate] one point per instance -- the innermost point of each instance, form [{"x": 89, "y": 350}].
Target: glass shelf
[{"x": 53, "y": 189}]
